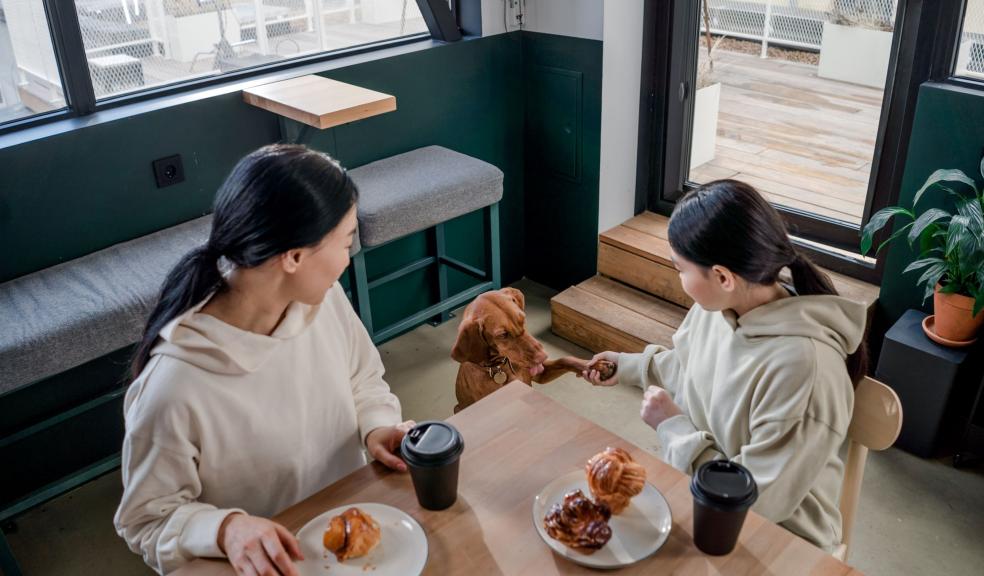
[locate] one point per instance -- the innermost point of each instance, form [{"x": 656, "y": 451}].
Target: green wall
[
  {"x": 67, "y": 195},
  {"x": 563, "y": 151},
  {"x": 947, "y": 132}
]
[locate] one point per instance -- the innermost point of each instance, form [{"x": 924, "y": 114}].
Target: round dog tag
[{"x": 500, "y": 378}]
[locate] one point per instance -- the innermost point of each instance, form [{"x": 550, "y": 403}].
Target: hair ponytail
[
  {"x": 276, "y": 199},
  {"x": 808, "y": 279},
  {"x": 706, "y": 223},
  {"x": 193, "y": 278}
]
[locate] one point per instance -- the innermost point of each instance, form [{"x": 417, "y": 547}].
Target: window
[
  {"x": 788, "y": 99},
  {"x": 131, "y": 45},
  {"x": 111, "y": 48},
  {"x": 29, "y": 80},
  {"x": 970, "y": 53}
]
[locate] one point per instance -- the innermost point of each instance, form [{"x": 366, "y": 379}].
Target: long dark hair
[
  {"x": 728, "y": 223},
  {"x": 276, "y": 199}
]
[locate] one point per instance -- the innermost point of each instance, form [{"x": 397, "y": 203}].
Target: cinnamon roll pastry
[
  {"x": 614, "y": 478},
  {"x": 352, "y": 534},
  {"x": 579, "y": 523}
]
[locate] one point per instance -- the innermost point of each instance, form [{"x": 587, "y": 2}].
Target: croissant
[
  {"x": 352, "y": 534},
  {"x": 579, "y": 523},
  {"x": 614, "y": 478}
]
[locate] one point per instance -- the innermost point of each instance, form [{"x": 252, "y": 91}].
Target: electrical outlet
[{"x": 168, "y": 171}]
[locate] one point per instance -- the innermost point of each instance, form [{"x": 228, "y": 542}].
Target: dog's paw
[{"x": 606, "y": 369}]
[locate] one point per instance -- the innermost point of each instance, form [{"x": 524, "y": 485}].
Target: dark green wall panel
[
  {"x": 948, "y": 132},
  {"x": 71, "y": 194},
  {"x": 563, "y": 139}
]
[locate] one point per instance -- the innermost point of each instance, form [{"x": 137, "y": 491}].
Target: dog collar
[{"x": 496, "y": 373}]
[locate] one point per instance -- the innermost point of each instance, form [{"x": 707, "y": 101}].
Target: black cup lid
[
  {"x": 725, "y": 482},
  {"x": 431, "y": 441}
]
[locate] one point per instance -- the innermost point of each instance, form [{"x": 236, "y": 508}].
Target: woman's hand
[
  {"x": 594, "y": 376},
  {"x": 383, "y": 444},
  {"x": 657, "y": 406},
  {"x": 258, "y": 547}
]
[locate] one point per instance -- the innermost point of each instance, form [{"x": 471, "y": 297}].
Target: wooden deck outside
[{"x": 805, "y": 142}]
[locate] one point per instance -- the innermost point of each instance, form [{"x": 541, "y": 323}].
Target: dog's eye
[{"x": 502, "y": 335}]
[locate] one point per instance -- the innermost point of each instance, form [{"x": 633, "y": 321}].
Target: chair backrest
[
  {"x": 875, "y": 425},
  {"x": 877, "y": 417}
]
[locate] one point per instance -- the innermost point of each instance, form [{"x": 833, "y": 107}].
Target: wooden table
[
  {"x": 317, "y": 102},
  {"x": 516, "y": 442}
]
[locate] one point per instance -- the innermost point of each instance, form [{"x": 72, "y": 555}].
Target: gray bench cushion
[
  {"x": 413, "y": 191},
  {"x": 74, "y": 312}
]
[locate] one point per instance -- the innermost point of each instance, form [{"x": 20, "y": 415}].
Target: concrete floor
[{"x": 917, "y": 516}]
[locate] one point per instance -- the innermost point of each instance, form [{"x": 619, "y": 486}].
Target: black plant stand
[{"x": 936, "y": 385}]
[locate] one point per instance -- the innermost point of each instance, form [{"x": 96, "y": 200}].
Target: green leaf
[
  {"x": 971, "y": 209},
  {"x": 982, "y": 167},
  {"x": 925, "y": 219},
  {"x": 922, "y": 264},
  {"x": 943, "y": 175},
  {"x": 878, "y": 221},
  {"x": 932, "y": 275},
  {"x": 894, "y": 235},
  {"x": 950, "y": 288}
]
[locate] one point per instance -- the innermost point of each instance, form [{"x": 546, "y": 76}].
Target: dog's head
[{"x": 494, "y": 325}]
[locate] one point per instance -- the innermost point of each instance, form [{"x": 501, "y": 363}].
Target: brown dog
[{"x": 494, "y": 348}]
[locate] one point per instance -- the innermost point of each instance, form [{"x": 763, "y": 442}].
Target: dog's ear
[
  {"x": 470, "y": 345},
  {"x": 517, "y": 297}
]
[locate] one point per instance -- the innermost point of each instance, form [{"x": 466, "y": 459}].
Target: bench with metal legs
[{"x": 441, "y": 311}]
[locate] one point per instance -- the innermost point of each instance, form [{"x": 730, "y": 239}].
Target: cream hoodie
[
  {"x": 222, "y": 419},
  {"x": 769, "y": 390}
]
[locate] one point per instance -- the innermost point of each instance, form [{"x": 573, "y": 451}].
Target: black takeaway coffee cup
[
  {"x": 723, "y": 492},
  {"x": 432, "y": 450}
]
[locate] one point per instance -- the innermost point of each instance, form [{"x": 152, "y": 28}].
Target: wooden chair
[{"x": 875, "y": 425}]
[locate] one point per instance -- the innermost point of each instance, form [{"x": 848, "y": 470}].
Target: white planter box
[
  {"x": 191, "y": 35},
  {"x": 384, "y": 11},
  {"x": 703, "y": 141},
  {"x": 855, "y": 54}
]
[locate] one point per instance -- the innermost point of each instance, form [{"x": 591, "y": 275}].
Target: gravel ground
[{"x": 749, "y": 47}]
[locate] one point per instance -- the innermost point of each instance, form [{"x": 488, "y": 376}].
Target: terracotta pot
[{"x": 953, "y": 316}]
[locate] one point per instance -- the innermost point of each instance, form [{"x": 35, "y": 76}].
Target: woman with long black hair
[
  {"x": 760, "y": 372},
  {"x": 255, "y": 383}
]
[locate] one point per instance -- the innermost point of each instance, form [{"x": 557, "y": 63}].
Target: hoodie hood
[
  {"x": 208, "y": 343},
  {"x": 833, "y": 320}
]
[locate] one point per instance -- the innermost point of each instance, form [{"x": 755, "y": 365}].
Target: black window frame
[
  {"x": 80, "y": 99},
  {"x": 668, "y": 75}
]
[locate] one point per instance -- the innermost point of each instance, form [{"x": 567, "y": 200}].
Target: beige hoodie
[
  {"x": 222, "y": 419},
  {"x": 769, "y": 390}
]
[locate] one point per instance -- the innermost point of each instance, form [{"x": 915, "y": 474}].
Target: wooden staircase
[{"x": 637, "y": 299}]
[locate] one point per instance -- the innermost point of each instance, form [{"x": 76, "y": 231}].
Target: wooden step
[
  {"x": 637, "y": 253},
  {"x": 602, "y": 314}
]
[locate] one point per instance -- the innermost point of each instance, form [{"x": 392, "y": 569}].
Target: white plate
[
  {"x": 402, "y": 548},
  {"x": 637, "y": 533}
]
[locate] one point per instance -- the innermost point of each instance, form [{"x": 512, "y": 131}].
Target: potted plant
[
  {"x": 857, "y": 42},
  {"x": 951, "y": 253},
  {"x": 707, "y": 103}
]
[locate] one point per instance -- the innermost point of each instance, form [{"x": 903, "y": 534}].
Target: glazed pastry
[
  {"x": 579, "y": 523},
  {"x": 352, "y": 534},
  {"x": 614, "y": 478}
]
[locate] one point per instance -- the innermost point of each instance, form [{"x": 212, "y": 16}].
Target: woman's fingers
[
  {"x": 261, "y": 563},
  {"x": 389, "y": 460},
  {"x": 289, "y": 542},
  {"x": 277, "y": 555},
  {"x": 244, "y": 567}
]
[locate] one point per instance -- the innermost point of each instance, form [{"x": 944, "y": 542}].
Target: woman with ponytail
[
  {"x": 760, "y": 372},
  {"x": 255, "y": 384}
]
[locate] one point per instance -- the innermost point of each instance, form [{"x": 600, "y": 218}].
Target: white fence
[{"x": 799, "y": 23}]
